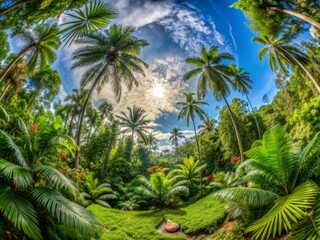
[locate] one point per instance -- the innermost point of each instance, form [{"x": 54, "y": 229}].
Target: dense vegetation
[{"x": 75, "y": 169}]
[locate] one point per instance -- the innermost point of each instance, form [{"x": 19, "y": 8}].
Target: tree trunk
[
  {"x": 235, "y": 129},
  {"x": 5, "y": 90},
  {"x": 199, "y": 155},
  {"x": 66, "y": 120},
  {"x": 85, "y": 105},
  {"x": 14, "y": 6},
  {"x": 298, "y": 15},
  {"x": 15, "y": 60},
  {"x": 255, "y": 117},
  {"x": 70, "y": 125}
]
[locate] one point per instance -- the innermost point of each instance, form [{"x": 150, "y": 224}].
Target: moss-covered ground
[{"x": 201, "y": 216}]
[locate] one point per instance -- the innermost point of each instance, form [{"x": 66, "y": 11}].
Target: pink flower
[
  {"x": 235, "y": 159},
  {"x": 210, "y": 178}
]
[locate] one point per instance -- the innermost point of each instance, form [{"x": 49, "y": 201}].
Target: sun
[{"x": 157, "y": 91}]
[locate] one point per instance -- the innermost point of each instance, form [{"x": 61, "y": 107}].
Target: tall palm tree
[
  {"x": 135, "y": 122},
  {"x": 151, "y": 142},
  {"x": 112, "y": 57},
  {"x": 76, "y": 99},
  {"x": 39, "y": 49},
  {"x": 106, "y": 111},
  {"x": 95, "y": 16},
  {"x": 213, "y": 76},
  {"x": 241, "y": 82},
  {"x": 275, "y": 174},
  {"x": 207, "y": 125},
  {"x": 175, "y": 135},
  {"x": 93, "y": 119},
  {"x": 28, "y": 186},
  {"x": 282, "y": 53},
  {"x": 190, "y": 109}
]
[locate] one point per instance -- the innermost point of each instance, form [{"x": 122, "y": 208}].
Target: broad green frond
[
  {"x": 287, "y": 210},
  {"x": 246, "y": 196},
  {"x": 65, "y": 211},
  {"x": 19, "y": 212}
]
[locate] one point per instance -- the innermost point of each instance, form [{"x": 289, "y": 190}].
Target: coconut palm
[
  {"x": 208, "y": 125},
  {"x": 135, "y": 122},
  {"x": 160, "y": 188},
  {"x": 95, "y": 193},
  {"x": 273, "y": 175},
  {"x": 93, "y": 119},
  {"x": 175, "y": 135},
  {"x": 28, "y": 185},
  {"x": 282, "y": 53},
  {"x": 241, "y": 82},
  {"x": 190, "y": 109},
  {"x": 188, "y": 170},
  {"x": 112, "y": 57},
  {"x": 95, "y": 16},
  {"x": 213, "y": 77},
  {"x": 151, "y": 141},
  {"x": 39, "y": 49}
]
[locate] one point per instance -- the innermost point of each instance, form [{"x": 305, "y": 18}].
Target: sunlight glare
[{"x": 157, "y": 91}]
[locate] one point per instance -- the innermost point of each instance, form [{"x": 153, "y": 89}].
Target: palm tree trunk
[
  {"x": 14, "y": 6},
  {"x": 255, "y": 117},
  {"x": 5, "y": 90},
  {"x": 85, "y": 105},
  {"x": 296, "y": 14},
  {"x": 15, "y": 60},
  {"x": 235, "y": 129},
  {"x": 66, "y": 120},
  {"x": 199, "y": 156}
]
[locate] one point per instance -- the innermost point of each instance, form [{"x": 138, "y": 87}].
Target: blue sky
[{"x": 175, "y": 29}]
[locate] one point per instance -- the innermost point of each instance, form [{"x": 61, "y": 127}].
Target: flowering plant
[{"x": 235, "y": 159}]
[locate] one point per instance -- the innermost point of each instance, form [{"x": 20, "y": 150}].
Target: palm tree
[
  {"x": 105, "y": 110},
  {"x": 188, "y": 170},
  {"x": 93, "y": 119},
  {"x": 39, "y": 49},
  {"x": 76, "y": 99},
  {"x": 151, "y": 142},
  {"x": 112, "y": 57},
  {"x": 275, "y": 175},
  {"x": 190, "y": 109},
  {"x": 135, "y": 122},
  {"x": 96, "y": 193},
  {"x": 95, "y": 16},
  {"x": 208, "y": 125},
  {"x": 160, "y": 188},
  {"x": 175, "y": 135},
  {"x": 213, "y": 76},
  {"x": 241, "y": 82},
  {"x": 28, "y": 186},
  {"x": 282, "y": 54}
]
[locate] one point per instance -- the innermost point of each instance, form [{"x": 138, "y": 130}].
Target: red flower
[
  {"x": 235, "y": 159},
  {"x": 63, "y": 157},
  {"x": 210, "y": 178},
  {"x": 33, "y": 128}
]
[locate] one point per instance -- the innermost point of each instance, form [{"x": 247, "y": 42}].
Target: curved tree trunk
[
  {"x": 199, "y": 155},
  {"x": 298, "y": 15},
  {"x": 235, "y": 129},
  {"x": 255, "y": 117},
  {"x": 14, "y": 6},
  {"x": 85, "y": 105},
  {"x": 15, "y": 60},
  {"x": 5, "y": 90}
]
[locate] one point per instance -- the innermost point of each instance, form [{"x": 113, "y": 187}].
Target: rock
[{"x": 172, "y": 227}]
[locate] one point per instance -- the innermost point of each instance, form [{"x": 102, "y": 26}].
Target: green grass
[{"x": 201, "y": 216}]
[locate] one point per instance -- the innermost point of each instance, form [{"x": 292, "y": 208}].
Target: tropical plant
[
  {"x": 273, "y": 174},
  {"x": 159, "y": 189},
  {"x": 28, "y": 186},
  {"x": 241, "y": 82},
  {"x": 190, "y": 109},
  {"x": 95, "y": 16},
  {"x": 39, "y": 49},
  {"x": 135, "y": 122},
  {"x": 208, "y": 125},
  {"x": 95, "y": 193},
  {"x": 188, "y": 170},
  {"x": 282, "y": 53},
  {"x": 175, "y": 135},
  {"x": 213, "y": 76},
  {"x": 115, "y": 64}
]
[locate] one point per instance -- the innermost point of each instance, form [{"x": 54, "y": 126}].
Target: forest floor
[{"x": 196, "y": 219}]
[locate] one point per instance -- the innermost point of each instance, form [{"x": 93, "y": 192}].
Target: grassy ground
[{"x": 201, "y": 216}]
